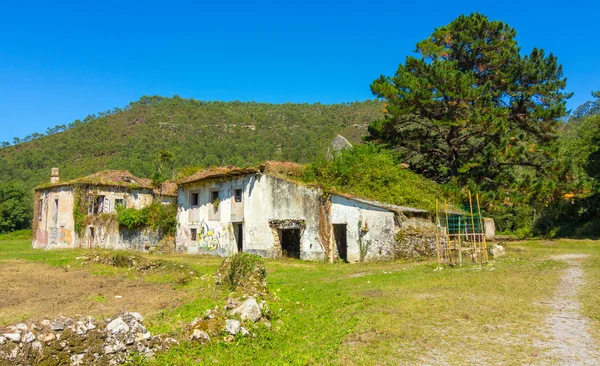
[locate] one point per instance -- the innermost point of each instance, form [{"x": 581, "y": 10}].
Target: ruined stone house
[
  {"x": 81, "y": 213},
  {"x": 266, "y": 211}
]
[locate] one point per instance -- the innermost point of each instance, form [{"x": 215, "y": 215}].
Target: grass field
[{"x": 378, "y": 313}]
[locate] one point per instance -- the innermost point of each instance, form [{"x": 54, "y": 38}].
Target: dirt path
[
  {"x": 30, "y": 290},
  {"x": 570, "y": 341}
]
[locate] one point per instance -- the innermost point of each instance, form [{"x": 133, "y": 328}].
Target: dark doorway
[
  {"x": 92, "y": 237},
  {"x": 290, "y": 243},
  {"x": 339, "y": 231},
  {"x": 238, "y": 232}
]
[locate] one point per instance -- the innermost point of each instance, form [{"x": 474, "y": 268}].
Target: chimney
[{"x": 54, "y": 176}]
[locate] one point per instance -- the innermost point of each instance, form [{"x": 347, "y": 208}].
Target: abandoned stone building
[
  {"x": 81, "y": 213},
  {"x": 264, "y": 211}
]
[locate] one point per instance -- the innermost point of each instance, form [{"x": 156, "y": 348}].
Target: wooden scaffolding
[{"x": 460, "y": 235}]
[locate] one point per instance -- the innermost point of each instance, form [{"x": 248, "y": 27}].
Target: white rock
[
  {"x": 77, "y": 360},
  {"x": 57, "y": 325},
  {"x": 113, "y": 348},
  {"x": 142, "y": 336},
  {"x": 2, "y": 340},
  {"x": 79, "y": 328},
  {"x": 47, "y": 337},
  {"x": 29, "y": 337},
  {"x": 117, "y": 326},
  {"x": 37, "y": 346},
  {"x": 15, "y": 337},
  {"x": 244, "y": 331},
  {"x": 232, "y": 326},
  {"x": 90, "y": 326},
  {"x": 249, "y": 310},
  {"x": 21, "y": 327},
  {"x": 45, "y": 323},
  {"x": 137, "y": 316},
  {"x": 200, "y": 335}
]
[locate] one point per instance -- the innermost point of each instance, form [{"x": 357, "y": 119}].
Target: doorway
[
  {"x": 238, "y": 232},
  {"x": 341, "y": 240},
  {"x": 290, "y": 243},
  {"x": 92, "y": 237}
]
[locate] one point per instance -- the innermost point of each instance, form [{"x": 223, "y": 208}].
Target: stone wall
[{"x": 415, "y": 238}]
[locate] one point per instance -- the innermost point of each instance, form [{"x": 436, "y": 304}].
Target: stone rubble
[
  {"x": 80, "y": 341},
  {"x": 88, "y": 341}
]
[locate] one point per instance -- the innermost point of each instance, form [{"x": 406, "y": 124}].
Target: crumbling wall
[{"x": 415, "y": 237}]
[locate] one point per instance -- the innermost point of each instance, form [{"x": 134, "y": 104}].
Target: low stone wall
[
  {"x": 65, "y": 341},
  {"x": 416, "y": 238}
]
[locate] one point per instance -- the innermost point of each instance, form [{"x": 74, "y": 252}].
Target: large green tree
[
  {"x": 15, "y": 208},
  {"x": 471, "y": 105}
]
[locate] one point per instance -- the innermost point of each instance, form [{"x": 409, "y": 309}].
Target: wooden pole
[
  {"x": 459, "y": 245},
  {"x": 437, "y": 234},
  {"x": 482, "y": 222},
  {"x": 448, "y": 232},
  {"x": 473, "y": 228}
]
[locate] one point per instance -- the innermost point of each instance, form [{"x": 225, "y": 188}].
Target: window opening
[
  {"x": 194, "y": 199},
  {"x": 237, "y": 193}
]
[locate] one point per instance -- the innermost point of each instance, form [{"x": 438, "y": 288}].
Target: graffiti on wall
[
  {"x": 53, "y": 237},
  {"x": 41, "y": 237},
  {"x": 212, "y": 239}
]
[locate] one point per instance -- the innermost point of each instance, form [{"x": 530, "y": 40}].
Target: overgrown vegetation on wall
[
  {"x": 159, "y": 217},
  {"x": 376, "y": 173}
]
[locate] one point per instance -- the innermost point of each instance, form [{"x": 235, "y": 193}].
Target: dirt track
[
  {"x": 570, "y": 341},
  {"x": 30, "y": 290}
]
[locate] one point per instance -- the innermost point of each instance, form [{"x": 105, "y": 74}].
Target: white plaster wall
[
  {"x": 380, "y": 223},
  {"x": 264, "y": 198}
]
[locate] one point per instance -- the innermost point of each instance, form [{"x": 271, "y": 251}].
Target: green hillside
[{"x": 196, "y": 133}]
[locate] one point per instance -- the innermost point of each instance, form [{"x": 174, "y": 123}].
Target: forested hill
[{"x": 196, "y": 133}]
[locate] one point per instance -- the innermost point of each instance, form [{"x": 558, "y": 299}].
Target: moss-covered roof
[
  {"x": 289, "y": 171},
  {"x": 117, "y": 178},
  {"x": 275, "y": 168}
]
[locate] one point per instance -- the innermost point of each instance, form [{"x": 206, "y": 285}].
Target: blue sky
[{"x": 60, "y": 61}]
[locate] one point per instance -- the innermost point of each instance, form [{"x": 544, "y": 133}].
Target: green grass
[{"x": 378, "y": 313}]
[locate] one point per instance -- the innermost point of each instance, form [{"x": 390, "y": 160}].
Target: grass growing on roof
[{"x": 371, "y": 172}]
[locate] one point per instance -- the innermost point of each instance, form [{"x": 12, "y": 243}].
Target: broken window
[
  {"x": 194, "y": 234},
  {"x": 237, "y": 194},
  {"x": 194, "y": 199},
  {"x": 119, "y": 203},
  {"x": 55, "y": 211},
  {"x": 99, "y": 204}
]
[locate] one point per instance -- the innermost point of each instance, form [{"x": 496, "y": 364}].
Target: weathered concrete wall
[
  {"x": 266, "y": 202},
  {"x": 54, "y": 225},
  {"x": 376, "y": 232}
]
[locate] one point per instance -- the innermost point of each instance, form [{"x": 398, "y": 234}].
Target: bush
[
  {"x": 157, "y": 216},
  {"x": 132, "y": 218},
  {"x": 245, "y": 271}
]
